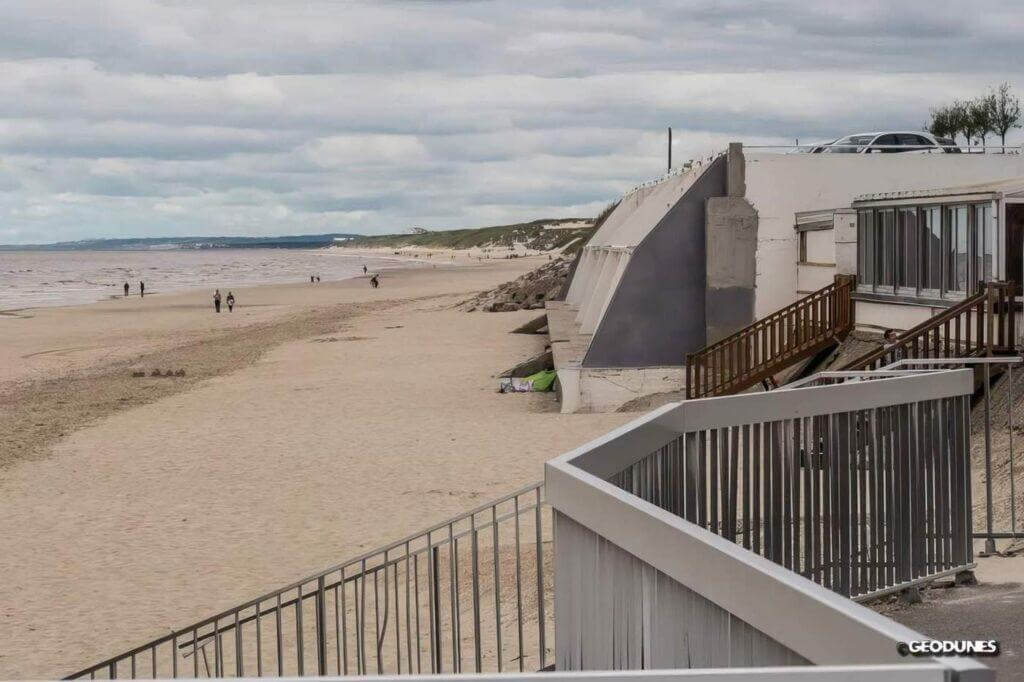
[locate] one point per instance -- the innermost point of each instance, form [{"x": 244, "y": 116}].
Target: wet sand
[{"x": 312, "y": 424}]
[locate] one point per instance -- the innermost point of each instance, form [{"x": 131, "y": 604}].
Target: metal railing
[
  {"x": 469, "y": 594},
  {"x": 773, "y": 343},
  {"x": 861, "y": 497},
  {"x": 979, "y": 325},
  {"x": 673, "y": 551},
  {"x": 889, "y": 148}
]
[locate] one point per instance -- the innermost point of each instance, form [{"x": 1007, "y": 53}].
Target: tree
[
  {"x": 1004, "y": 111},
  {"x": 960, "y": 120},
  {"x": 979, "y": 110},
  {"x": 941, "y": 124}
]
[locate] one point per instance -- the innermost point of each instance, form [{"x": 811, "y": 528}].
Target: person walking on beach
[
  {"x": 231, "y": 302},
  {"x": 216, "y": 300},
  {"x": 373, "y": 282},
  {"x": 312, "y": 279},
  {"x": 126, "y": 289},
  {"x": 142, "y": 289},
  {"x": 364, "y": 269}
]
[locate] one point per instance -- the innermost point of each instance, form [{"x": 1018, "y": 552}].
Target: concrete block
[{"x": 731, "y": 251}]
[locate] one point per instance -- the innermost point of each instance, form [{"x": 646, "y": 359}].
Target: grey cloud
[{"x": 146, "y": 117}]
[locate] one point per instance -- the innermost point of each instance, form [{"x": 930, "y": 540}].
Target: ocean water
[{"x": 31, "y": 279}]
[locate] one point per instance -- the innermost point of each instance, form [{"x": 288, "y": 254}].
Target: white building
[{"x": 688, "y": 260}]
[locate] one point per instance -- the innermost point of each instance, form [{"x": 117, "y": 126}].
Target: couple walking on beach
[
  {"x": 142, "y": 289},
  {"x": 230, "y": 301}
]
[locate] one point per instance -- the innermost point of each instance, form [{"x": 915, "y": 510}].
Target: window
[
  {"x": 907, "y": 238},
  {"x": 885, "y": 141},
  {"x": 851, "y": 144},
  {"x": 926, "y": 251},
  {"x": 955, "y": 266},
  {"x": 984, "y": 244},
  {"x": 931, "y": 249},
  {"x": 914, "y": 141},
  {"x": 885, "y": 246}
]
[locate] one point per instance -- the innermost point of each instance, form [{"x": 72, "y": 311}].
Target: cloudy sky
[{"x": 146, "y": 117}]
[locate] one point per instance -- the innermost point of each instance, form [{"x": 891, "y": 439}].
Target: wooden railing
[
  {"x": 770, "y": 345},
  {"x": 982, "y": 324}
]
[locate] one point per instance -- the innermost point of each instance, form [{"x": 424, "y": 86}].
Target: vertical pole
[
  {"x": 1009, "y": 423},
  {"x": 670, "y": 149},
  {"x": 990, "y": 543},
  {"x": 321, "y": 630}
]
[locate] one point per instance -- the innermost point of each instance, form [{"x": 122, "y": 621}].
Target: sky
[{"x": 131, "y": 118}]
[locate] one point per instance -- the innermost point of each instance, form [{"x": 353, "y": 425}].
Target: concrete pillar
[
  {"x": 597, "y": 259},
  {"x": 844, "y": 231},
  {"x": 598, "y": 292},
  {"x": 735, "y": 179},
  {"x": 576, "y": 286},
  {"x": 620, "y": 269},
  {"x": 730, "y": 238},
  {"x": 569, "y": 390}
]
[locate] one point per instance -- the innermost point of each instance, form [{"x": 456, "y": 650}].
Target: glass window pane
[
  {"x": 906, "y": 267},
  {"x": 985, "y": 241},
  {"x": 956, "y": 248},
  {"x": 885, "y": 247},
  {"x": 865, "y": 247},
  {"x": 931, "y": 232}
]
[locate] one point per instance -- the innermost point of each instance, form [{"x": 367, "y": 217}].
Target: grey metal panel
[
  {"x": 822, "y": 626},
  {"x": 625, "y": 614},
  {"x": 916, "y": 672},
  {"x": 656, "y": 314}
]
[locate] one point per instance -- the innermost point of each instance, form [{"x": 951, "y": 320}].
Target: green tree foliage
[
  {"x": 1004, "y": 111},
  {"x": 992, "y": 114}
]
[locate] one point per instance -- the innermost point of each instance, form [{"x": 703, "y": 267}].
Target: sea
[{"x": 32, "y": 279}]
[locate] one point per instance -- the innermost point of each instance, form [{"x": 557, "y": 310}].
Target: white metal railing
[
  {"x": 954, "y": 148},
  {"x": 608, "y": 533}
]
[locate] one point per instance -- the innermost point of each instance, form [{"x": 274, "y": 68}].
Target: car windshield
[{"x": 851, "y": 144}]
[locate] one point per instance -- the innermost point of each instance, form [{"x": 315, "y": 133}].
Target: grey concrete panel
[
  {"x": 731, "y": 246},
  {"x": 615, "y": 612},
  {"x": 656, "y": 314},
  {"x": 728, "y": 310},
  {"x": 737, "y": 182}
]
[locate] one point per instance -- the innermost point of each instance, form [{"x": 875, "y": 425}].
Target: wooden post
[{"x": 990, "y": 293}]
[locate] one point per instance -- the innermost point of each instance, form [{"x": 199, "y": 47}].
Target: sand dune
[{"x": 314, "y": 423}]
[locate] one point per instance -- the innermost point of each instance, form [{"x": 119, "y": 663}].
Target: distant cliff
[{"x": 537, "y": 235}]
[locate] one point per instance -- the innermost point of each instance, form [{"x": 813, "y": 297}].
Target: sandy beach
[{"x": 312, "y": 424}]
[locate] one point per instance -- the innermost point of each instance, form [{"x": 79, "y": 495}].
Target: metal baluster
[
  {"x": 497, "y": 587},
  {"x": 540, "y": 584}
]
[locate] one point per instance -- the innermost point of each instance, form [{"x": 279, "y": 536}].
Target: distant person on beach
[
  {"x": 312, "y": 279},
  {"x": 216, "y": 300},
  {"x": 126, "y": 289},
  {"x": 318, "y": 279},
  {"x": 231, "y": 302},
  {"x": 364, "y": 269},
  {"x": 373, "y": 281},
  {"x": 142, "y": 289}
]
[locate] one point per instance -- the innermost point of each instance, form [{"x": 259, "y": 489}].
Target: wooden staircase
[
  {"x": 980, "y": 325},
  {"x": 772, "y": 344}
]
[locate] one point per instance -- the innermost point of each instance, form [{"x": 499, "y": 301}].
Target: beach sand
[{"x": 312, "y": 424}]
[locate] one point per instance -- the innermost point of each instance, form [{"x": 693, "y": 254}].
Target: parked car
[{"x": 900, "y": 141}]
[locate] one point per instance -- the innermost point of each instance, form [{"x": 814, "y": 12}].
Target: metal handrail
[
  {"x": 686, "y": 511},
  {"x": 361, "y": 573}
]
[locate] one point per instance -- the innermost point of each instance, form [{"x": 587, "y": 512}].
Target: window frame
[{"x": 871, "y": 230}]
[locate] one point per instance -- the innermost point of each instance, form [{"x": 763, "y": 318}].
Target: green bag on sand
[{"x": 543, "y": 380}]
